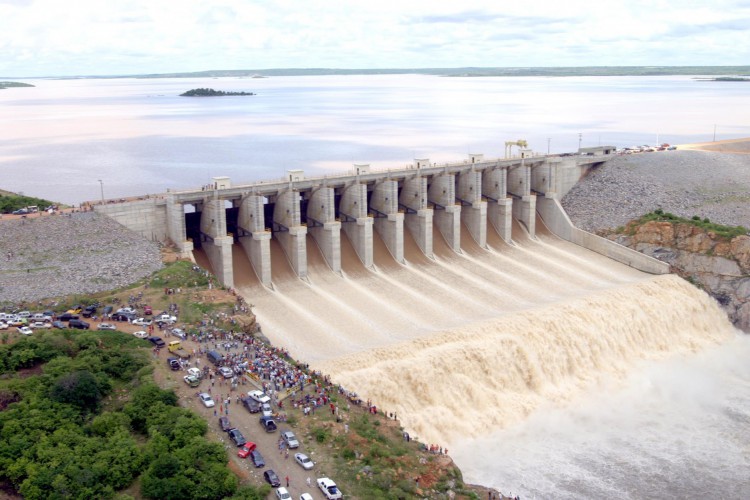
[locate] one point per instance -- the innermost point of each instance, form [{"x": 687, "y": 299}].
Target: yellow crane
[{"x": 520, "y": 143}]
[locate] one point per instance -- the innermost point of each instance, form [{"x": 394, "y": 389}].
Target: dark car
[
  {"x": 67, "y": 316},
  {"x": 59, "y": 324},
  {"x": 123, "y": 316},
  {"x": 89, "y": 311},
  {"x": 174, "y": 363},
  {"x": 257, "y": 459},
  {"x": 252, "y": 405},
  {"x": 157, "y": 341},
  {"x": 271, "y": 477},
  {"x": 268, "y": 424},
  {"x": 224, "y": 424},
  {"x": 236, "y": 436},
  {"x": 78, "y": 324}
]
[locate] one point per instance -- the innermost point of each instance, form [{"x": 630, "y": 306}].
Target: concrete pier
[
  {"x": 289, "y": 231},
  {"x": 323, "y": 226},
  {"x": 175, "y": 223},
  {"x": 473, "y": 209},
  {"x": 254, "y": 237},
  {"x": 356, "y": 222},
  {"x": 215, "y": 241},
  {"x": 389, "y": 222},
  {"x": 442, "y": 194},
  {"x": 418, "y": 218},
  {"x": 499, "y": 206},
  {"x": 524, "y": 203}
]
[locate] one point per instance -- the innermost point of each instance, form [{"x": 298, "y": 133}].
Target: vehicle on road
[
  {"x": 236, "y": 436},
  {"x": 67, "y": 316},
  {"x": 59, "y": 324},
  {"x": 259, "y": 396},
  {"x": 106, "y": 326},
  {"x": 191, "y": 380},
  {"x": 195, "y": 372},
  {"x": 179, "y": 333},
  {"x": 140, "y": 334},
  {"x": 283, "y": 494},
  {"x": 166, "y": 318},
  {"x": 246, "y": 450},
  {"x": 39, "y": 324},
  {"x": 3, "y": 325},
  {"x": 122, "y": 317},
  {"x": 251, "y": 405},
  {"x": 147, "y": 311},
  {"x": 78, "y": 324},
  {"x": 268, "y": 424},
  {"x": 88, "y": 311},
  {"x": 174, "y": 363},
  {"x": 175, "y": 347},
  {"x": 271, "y": 478},
  {"x": 305, "y": 496},
  {"x": 76, "y": 309},
  {"x": 290, "y": 439},
  {"x": 157, "y": 341},
  {"x": 304, "y": 461},
  {"x": 214, "y": 357},
  {"x": 142, "y": 322},
  {"x": 224, "y": 424},
  {"x": 206, "y": 400},
  {"x": 329, "y": 488},
  {"x": 266, "y": 410},
  {"x": 257, "y": 459},
  {"x": 226, "y": 372},
  {"x": 126, "y": 310},
  {"x": 25, "y": 330}
]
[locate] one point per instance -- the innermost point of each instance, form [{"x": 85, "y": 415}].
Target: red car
[
  {"x": 244, "y": 452},
  {"x": 147, "y": 310}
]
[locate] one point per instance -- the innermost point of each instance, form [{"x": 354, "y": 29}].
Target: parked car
[
  {"x": 157, "y": 341},
  {"x": 290, "y": 439},
  {"x": 251, "y": 405},
  {"x": 214, "y": 357},
  {"x": 3, "y": 325},
  {"x": 283, "y": 494},
  {"x": 179, "y": 333},
  {"x": 259, "y": 396},
  {"x": 271, "y": 478},
  {"x": 224, "y": 424},
  {"x": 118, "y": 316},
  {"x": 236, "y": 436},
  {"x": 89, "y": 311},
  {"x": 257, "y": 459},
  {"x": 268, "y": 424},
  {"x": 106, "y": 326},
  {"x": 174, "y": 363},
  {"x": 166, "y": 318},
  {"x": 304, "y": 461},
  {"x": 142, "y": 322},
  {"x": 126, "y": 310},
  {"x": 140, "y": 334},
  {"x": 59, "y": 324},
  {"x": 67, "y": 316},
  {"x": 226, "y": 372},
  {"x": 246, "y": 449},
  {"x": 305, "y": 496},
  {"x": 107, "y": 310},
  {"x": 206, "y": 400},
  {"x": 191, "y": 380},
  {"x": 147, "y": 311},
  {"x": 25, "y": 330},
  {"x": 78, "y": 324},
  {"x": 39, "y": 324},
  {"x": 195, "y": 372},
  {"x": 329, "y": 489},
  {"x": 76, "y": 309}
]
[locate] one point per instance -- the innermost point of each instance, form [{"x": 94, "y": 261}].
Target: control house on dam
[{"x": 422, "y": 201}]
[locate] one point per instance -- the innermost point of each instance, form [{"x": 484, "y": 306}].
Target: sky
[{"x": 124, "y": 37}]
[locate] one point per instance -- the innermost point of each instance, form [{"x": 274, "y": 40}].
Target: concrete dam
[{"x": 421, "y": 202}]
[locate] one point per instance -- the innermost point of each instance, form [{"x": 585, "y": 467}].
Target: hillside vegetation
[{"x": 6, "y": 85}]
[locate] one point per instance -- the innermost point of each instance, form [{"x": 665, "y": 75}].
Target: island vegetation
[
  {"x": 204, "y": 92},
  {"x": 7, "y": 85}
]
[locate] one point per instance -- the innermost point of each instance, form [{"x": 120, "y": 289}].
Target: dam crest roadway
[{"x": 422, "y": 201}]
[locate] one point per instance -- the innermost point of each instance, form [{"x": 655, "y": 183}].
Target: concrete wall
[
  {"x": 442, "y": 192},
  {"x": 359, "y": 231},
  {"x": 219, "y": 249},
  {"x": 559, "y": 223},
  {"x": 474, "y": 210},
  {"x": 499, "y": 206},
  {"x": 146, "y": 217}
]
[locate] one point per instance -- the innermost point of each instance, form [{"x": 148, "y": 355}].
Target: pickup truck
[
  {"x": 329, "y": 489},
  {"x": 175, "y": 347},
  {"x": 192, "y": 380}
]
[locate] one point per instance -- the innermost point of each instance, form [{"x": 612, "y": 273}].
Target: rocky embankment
[
  {"x": 708, "y": 184},
  {"x": 73, "y": 253}
]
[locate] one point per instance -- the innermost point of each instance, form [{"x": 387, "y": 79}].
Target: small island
[
  {"x": 211, "y": 93},
  {"x": 6, "y": 85}
]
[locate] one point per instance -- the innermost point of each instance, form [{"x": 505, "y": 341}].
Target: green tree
[{"x": 80, "y": 388}]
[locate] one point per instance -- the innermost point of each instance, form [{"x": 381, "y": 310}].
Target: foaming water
[
  {"x": 671, "y": 429},
  {"x": 498, "y": 354}
]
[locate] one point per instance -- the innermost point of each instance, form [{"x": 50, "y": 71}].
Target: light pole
[
  {"x": 101, "y": 187},
  {"x": 549, "y": 139},
  {"x": 580, "y": 137}
]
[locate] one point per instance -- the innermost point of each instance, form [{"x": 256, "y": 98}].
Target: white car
[
  {"x": 206, "y": 400},
  {"x": 106, "y": 326},
  {"x": 304, "y": 461},
  {"x": 165, "y": 318},
  {"x": 3, "y": 326},
  {"x": 140, "y": 334},
  {"x": 259, "y": 396},
  {"x": 195, "y": 372},
  {"x": 177, "y": 332},
  {"x": 126, "y": 310},
  {"x": 305, "y": 496},
  {"x": 283, "y": 494},
  {"x": 329, "y": 489},
  {"x": 40, "y": 324},
  {"x": 290, "y": 439},
  {"x": 142, "y": 322},
  {"x": 266, "y": 410},
  {"x": 226, "y": 372},
  {"x": 25, "y": 330}
]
